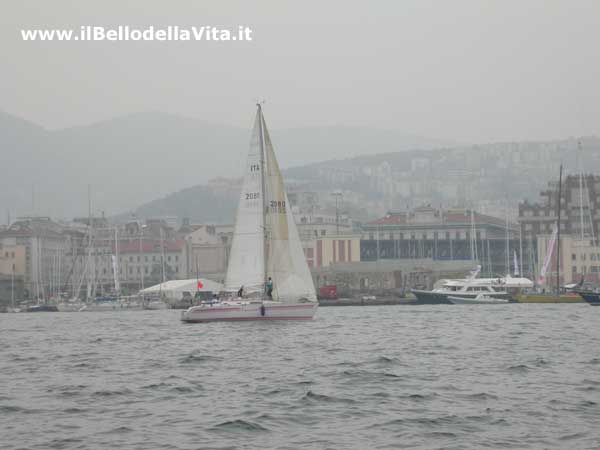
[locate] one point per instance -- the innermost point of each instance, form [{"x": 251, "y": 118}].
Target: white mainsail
[
  {"x": 286, "y": 263},
  {"x": 246, "y": 261}
]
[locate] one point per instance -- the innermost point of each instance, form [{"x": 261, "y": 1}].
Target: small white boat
[
  {"x": 480, "y": 299},
  {"x": 69, "y": 306},
  {"x": 267, "y": 266},
  {"x": 155, "y": 305},
  {"x": 101, "y": 306}
]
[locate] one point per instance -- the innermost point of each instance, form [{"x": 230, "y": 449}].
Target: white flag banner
[
  {"x": 115, "y": 265},
  {"x": 549, "y": 251}
]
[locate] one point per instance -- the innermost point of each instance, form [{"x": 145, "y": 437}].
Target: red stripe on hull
[
  {"x": 216, "y": 310},
  {"x": 290, "y": 307},
  {"x": 235, "y": 319}
]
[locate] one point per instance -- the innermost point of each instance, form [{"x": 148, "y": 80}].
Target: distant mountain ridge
[
  {"x": 133, "y": 159},
  {"x": 492, "y": 178}
]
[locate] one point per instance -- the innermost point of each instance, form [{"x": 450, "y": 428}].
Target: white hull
[
  {"x": 238, "y": 311},
  {"x": 477, "y": 301},
  {"x": 69, "y": 307},
  {"x": 155, "y": 305},
  {"x": 110, "y": 306}
]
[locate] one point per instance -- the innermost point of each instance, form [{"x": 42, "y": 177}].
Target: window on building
[
  {"x": 574, "y": 269},
  {"x": 145, "y": 269},
  {"x": 573, "y": 257},
  {"x": 130, "y": 269},
  {"x": 322, "y": 232},
  {"x": 169, "y": 258},
  {"x": 153, "y": 257},
  {"x": 139, "y": 258},
  {"x": 139, "y": 269},
  {"x": 145, "y": 259},
  {"x": 176, "y": 268},
  {"x": 176, "y": 258},
  {"x": 131, "y": 259}
]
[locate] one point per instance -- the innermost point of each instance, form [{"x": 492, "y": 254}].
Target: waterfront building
[
  {"x": 39, "y": 246},
  {"x": 207, "y": 250},
  {"x": 580, "y": 224},
  {"x": 444, "y": 235},
  {"x": 578, "y": 258}
]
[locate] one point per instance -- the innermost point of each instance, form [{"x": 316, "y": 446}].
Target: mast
[
  {"x": 580, "y": 190},
  {"x": 12, "y": 287},
  {"x": 558, "y": 234},
  {"x": 507, "y": 243},
  {"x": 162, "y": 254},
  {"x": 141, "y": 260},
  {"x": 117, "y": 265},
  {"x": 521, "y": 270},
  {"x": 263, "y": 188}
]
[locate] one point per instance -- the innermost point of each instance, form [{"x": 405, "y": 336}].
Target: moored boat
[
  {"x": 42, "y": 308},
  {"x": 155, "y": 305},
  {"x": 481, "y": 299},
  {"x": 591, "y": 297}
]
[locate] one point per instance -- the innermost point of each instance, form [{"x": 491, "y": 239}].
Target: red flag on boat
[{"x": 200, "y": 284}]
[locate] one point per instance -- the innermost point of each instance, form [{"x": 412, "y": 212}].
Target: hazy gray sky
[{"x": 470, "y": 71}]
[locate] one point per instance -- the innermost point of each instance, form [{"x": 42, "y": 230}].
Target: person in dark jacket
[{"x": 270, "y": 288}]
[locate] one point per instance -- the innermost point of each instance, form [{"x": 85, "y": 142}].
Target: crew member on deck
[
  {"x": 270, "y": 288},
  {"x": 241, "y": 292}
]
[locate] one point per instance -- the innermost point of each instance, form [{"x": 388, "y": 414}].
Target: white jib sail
[
  {"x": 246, "y": 261},
  {"x": 286, "y": 263}
]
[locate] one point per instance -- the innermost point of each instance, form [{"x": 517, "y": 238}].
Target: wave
[
  {"x": 119, "y": 430},
  {"x": 108, "y": 393},
  {"x": 419, "y": 397},
  {"x": 64, "y": 443},
  {"x": 18, "y": 409},
  {"x": 484, "y": 396},
  {"x": 240, "y": 425},
  {"x": 195, "y": 359},
  {"x": 519, "y": 368},
  {"x": 313, "y": 397}
]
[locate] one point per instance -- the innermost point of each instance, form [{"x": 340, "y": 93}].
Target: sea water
[{"x": 380, "y": 377}]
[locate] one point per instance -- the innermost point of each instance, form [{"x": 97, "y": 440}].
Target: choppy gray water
[{"x": 447, "y": 377}]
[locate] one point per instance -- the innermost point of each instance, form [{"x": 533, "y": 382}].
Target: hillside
[
  {"x": 134, "y": 159},
  {"x": 493, "y": 178}
]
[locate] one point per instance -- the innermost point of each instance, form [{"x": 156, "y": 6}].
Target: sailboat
[
  {"x": 558, "y": 296},
  {"x": 267, "y": 267}
]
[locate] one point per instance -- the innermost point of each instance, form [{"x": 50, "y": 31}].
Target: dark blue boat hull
[{"x": 593, "y": 298}]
